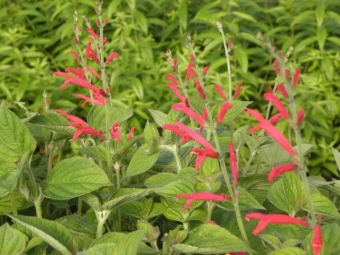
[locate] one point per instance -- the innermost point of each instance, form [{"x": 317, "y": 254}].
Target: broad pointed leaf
[
  {"x": 12, "y": 241},
  {"x": 74, "y": 177}
]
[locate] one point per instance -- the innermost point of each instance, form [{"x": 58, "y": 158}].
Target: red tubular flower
[
  {"x": 202, "y": 154},
  {"x": 88, "y": 68},
  {"x": 300, "y": 116},
  {"x": 225, "y": 107},
  {"x": 277, "y": 103},
  {"x": 90, "y": 53},
  {"x": 266, "y": 219},
  {"x": 72, "y": 118},
  {"x": 131, "y": 133},
  {"x": 230, "y": 44},
  {"x": 186, "y": 110},
  {"x": 97, "y": 100},
  {"x": 172, "y": 78},
  {"x": 195, "y": 136},
  {"x": 272, "y": 131},
  {"x": 233, "y": 162},
  {"x": 178, "y": 94},
  {"x": 205, "y": 70},
  {"x": 317, "y": 239},
  {"x": 112, "y": 56},
  {"x": 287, "y": 73},
  {"x": 275, "y": 66},
  {"x": 177, "y": 131},
  {"x": 278, "y": 170},
  {"x": 77, "y": 72},
  {"x": 75, "y": 55},
  {"x": 114, "y": 131},
  {"x": 237, "y": 91},
  {"x": 190, "y": 72},
  {"x": 91, "y": 31},
  {"x": 84, "y": 130},
  {"x": 204, "y": 196},
  {"x": 105, "y": 40},
  {"x": 220, "y": 91},
  {"x": 200, "y": 89},
  {"x": 296, "y": 77},
  {"x": 282, "y": 89},
  {"x": 275, "y": 118}
]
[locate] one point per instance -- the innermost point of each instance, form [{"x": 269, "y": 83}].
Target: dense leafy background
[{"x": 36, "y": 38}]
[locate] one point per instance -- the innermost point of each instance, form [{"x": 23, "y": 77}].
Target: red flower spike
[
  {"x": 277, "y": 103},
  {"x": 205, "y": 70},
  {"x": 174, "y": 65},
  {"x": 177, "y": 131},
  {"x": 202, "y": 154},
  {"x": 112, "y": 56},
  {"x": 90, "y": 53},
  {"x": 237, "y": 91},
  {"x": 97, "y": 100},
  {"x": 187, "y": 111},
  {"x": 78, "y": 72},
  {"x": 300, "y": 116},
  {"x": 237, "y": 253},
  {"x": 230, "y": 44},
  {"x": 91, "y": 31},
  {"x": 204, "y": 196},
  {"x": 296, "y": 77},
  {"x": 195, "y": 136},
  {"x": 84, "y": 130},
  {"x": 172, "y": 78},
  {"x": 131, "y": 133},
  {"x": 272, "y": 131},
  {"x": 275, "y": 118},
  {"x": 200, "y": 89},
  {"x": 71, "y": 117},
  {"x": 266, "y": 219},
  {"x": 282, "y": 89},
  {"x": 190, "y": 72},
  {"x": 275, "y": 66},
  {"x": 224, "y": 108},
  {"x": 220, "y": 91},
  {"x": 278, "y": 170},
  {"x": 178, "y": 94},
  {"x": 75, "y": 55},
  {"x": 233, "y": 162},
  {"x": 88, "y": 68},
  {"x": 317, "y": 239},
  {"x": 114, "y": 131}
]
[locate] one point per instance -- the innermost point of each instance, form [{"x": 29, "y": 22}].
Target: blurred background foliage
[{"x": 36, "y": 39}]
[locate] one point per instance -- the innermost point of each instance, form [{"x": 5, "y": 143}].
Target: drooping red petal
[
  {"x": 317, "y": 241},
  {"x": 220, "y": 91},
  {"x": 277, "y": 103},
  {"x": 278, "y": 170},
  {"x": 238, "y": 89},
  {"x": 189, "y": 112},
  {"x": 300, "y": 116},
  {"x": 296, "y": 77}
]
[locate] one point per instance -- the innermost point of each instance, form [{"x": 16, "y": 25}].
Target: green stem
[
  {"x": 36, "y": 195},
  {"x": 37, "y": 205},
  {"x": 13, "y": 204}
]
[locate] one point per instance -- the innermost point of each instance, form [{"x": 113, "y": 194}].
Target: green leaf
[
  {"x": 242, "y": 59},
  {"x": 12, "y": 241},
  {"x": 321, "y": 34},
  {"x": 169, "y": 185},
  {"x": 51, "y": 232},
  {"x": 124, "y": 196},
  {"x": 9, "y": 174},
  {"x": 183, "y": 16},
  {"x": 320, "y": 12},
  {"x": 323, "y": 206},
  {"x": 141, "y": 21},
  {"x": 100, "y": 249},
  {"x": 216, "y": 240},
  {"x": 336, "y": 154},
  {"x": 274, "y": 154},
  {"x": 142, "y": 161},
  {"x": 20, "y": 203},
  {"x": 287, "y": 194},
  {"x": 236, "y": 110},
  {"x": 74, "y": 177},
  {"x": 95, "y": 152},
  {"x": 243, "y": 16},
  {"x": 97, "y": 116},
  {"x": 15, "y": 141},
  {"x": 274, "y": 241},
  {"x": 246, "y": 202},
  {"x": 158, "y": 116},
  {"x": 151, "y": 135},
  {"x": 288, "y": 251},
  {"x": 129, "y": 244}
]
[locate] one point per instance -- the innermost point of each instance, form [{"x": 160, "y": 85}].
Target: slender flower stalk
[
  {"x": 266, "y": 219},
  {"x": 278, "y": 170},
  {"x": 203, "y": 196}
]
